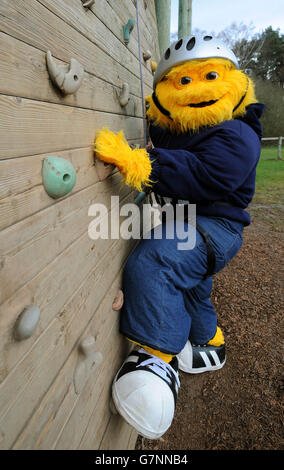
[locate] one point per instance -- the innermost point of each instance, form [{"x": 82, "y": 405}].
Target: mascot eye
[
  {"x": 212, "y": 76},
  {"x": 185, "y": 80}
]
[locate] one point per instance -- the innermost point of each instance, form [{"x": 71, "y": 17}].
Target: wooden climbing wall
[{"x": 46, "y": 256}]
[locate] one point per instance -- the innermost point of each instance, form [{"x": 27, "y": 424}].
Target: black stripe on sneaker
[
  {"x": 197, "y": 360},
  {"x": 132, "y": 365},
  {"x": 211, "y": 359}
]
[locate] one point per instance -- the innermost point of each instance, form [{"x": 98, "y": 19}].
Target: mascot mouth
[{"x": 202, "y": 104}]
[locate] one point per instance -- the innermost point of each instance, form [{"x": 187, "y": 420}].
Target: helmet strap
[
  {"x": 243, "y": 97},
  {"x": 160, "y": 107}
]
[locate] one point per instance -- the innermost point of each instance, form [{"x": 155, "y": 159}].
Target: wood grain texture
[
  {"x": 30, "y": 127},
  {"x": 24, "y": 388},
  {"x": 46, "y": 255},
  {"x": 39, "y": 27},
  {"x": 23, "y": 73}
]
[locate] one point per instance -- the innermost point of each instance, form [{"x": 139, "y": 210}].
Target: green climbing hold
[
  {"x": 127, "y": 29},
  {"x": 58, "y": 175}
]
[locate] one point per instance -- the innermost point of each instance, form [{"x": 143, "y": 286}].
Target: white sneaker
[
  {"x": 144, "y": 392},
  {"x": 195, "y": 359}
]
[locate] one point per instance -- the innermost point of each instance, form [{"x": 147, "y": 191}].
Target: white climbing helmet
[{"x": 192, "y": 48}]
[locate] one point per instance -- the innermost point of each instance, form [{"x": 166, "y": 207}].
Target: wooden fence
[{"x": 279, "y": 147}]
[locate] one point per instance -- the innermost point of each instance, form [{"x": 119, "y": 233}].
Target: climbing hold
[
  {"x": 127, "y": 29},
  {"x": 88, "y": 3},
  {"x": 118, "y": 301},
  {"x": 103, "y": 169},
  {"x": 139, "y": 198},
  {"x": 89, "y": 358},
  {"x": 124, "y": 95},
  {"x": 58, "y": 176},
  {"x": 153, "y": 66},
  {"x": 26, "y": 323},
  {"x": 67, "y": 78},
  {"x": 147, "y": 55}
]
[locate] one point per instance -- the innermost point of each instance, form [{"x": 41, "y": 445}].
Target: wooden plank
[
  {"x": 22, "y": 189},
  {"x": 20, "y": 175},
  {"x": 47, "y": 423},
  {"x": 28, "y": 247},
  {"x": 148, "y": 28},
  {"x": 39, "y": 27},
  {"x": 23, "y": 389},
  {"x": 87, "y": 421},
  {"x": 22, "y": 183},
  {"x": 22, "y": 66},
  {"x": 50, "y": 288},
  {"x": 30, "y": 127},
  {"x": 72, "y": 12},
  {"x": 119, "y": 435},
  {"x": 106, "y": 13}
]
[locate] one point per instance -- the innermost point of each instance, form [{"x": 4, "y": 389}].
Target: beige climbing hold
[
  {"x": 124, "y": 95},
  {"x": 147, "y": 55},
  {"x": 118, "y": 301},
  {"x": 153, "y": 66},
  {"x": 88, "y": 3},
  {"x": 67, "y": 78},
  {"x": 88, "y": 358}
]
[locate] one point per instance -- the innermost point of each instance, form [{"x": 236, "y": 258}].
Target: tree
[
  {"x": 272, "y": 96},
  {"x": 269, "y": 62}
]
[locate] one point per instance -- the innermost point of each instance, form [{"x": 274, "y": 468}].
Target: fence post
[{"x": 279, "y": 148}]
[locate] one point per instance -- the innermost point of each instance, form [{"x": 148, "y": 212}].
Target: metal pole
[
  {"x": 184, "y": 18},
  {"x": 163, "y": 13}
]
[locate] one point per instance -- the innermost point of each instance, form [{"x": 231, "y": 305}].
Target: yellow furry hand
[{"x": 133, "y": 164}]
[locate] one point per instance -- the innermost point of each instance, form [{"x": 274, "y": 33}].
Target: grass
[
  {"x": 269, "y": 178},
  {"x": 268, "y": 201}
]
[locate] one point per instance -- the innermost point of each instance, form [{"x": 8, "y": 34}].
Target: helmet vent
[
  {"x": 191, "y": 43},
  {"x": 167, "y": 54},
  {"x": 207, "y": 38},
  {"x": 178, "y": 44}
]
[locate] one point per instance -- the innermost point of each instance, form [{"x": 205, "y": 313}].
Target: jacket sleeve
[{"x": 220, "y": 166}]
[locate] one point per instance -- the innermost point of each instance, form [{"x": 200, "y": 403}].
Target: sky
[{"x": 216, "y": 15}]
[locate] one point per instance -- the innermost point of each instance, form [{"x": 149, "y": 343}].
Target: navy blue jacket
[{"x": 213, "y": 166}]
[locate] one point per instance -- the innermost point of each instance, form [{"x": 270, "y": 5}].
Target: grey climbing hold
[
  {"x": 67, "y": 78},
  {"x": 58, "y": 176},
  {"x": 26, "y": 323},
  {"x": 124, "y": 95},
  {"x": 89, "y": 357},
  {"x": 88, "y": 3}
]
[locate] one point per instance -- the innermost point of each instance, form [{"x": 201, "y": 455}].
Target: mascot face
[{"x": 200, "y": 93}]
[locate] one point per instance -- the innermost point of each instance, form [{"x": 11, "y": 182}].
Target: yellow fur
[
  {"x": 228, "y": 89},
  {"x": 133, "y": 164},
  {"x": 166, "y": 357},
  {"x": 218, "y": 339}
]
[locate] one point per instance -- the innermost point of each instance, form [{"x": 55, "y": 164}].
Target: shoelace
[{"x": 159, "y": 366}]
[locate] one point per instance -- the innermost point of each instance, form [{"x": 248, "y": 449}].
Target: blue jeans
[{"x": 167, "y": 299}]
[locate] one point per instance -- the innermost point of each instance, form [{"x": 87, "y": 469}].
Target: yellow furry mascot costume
[{"x": 204, "y": 125}]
